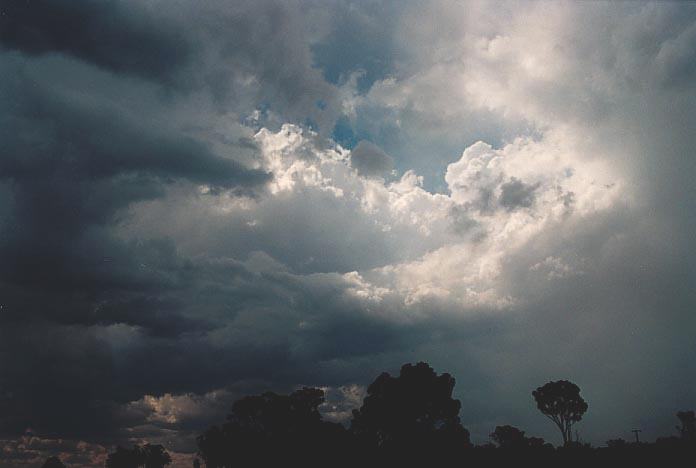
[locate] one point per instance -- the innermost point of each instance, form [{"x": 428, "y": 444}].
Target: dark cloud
[
  {"x": 84, "y": 358},
  {"x": 255, "y": 56},
  {"x": 246, "y": 55},
  {"x": 118, "y": 36},
  {"x": 95, "y": 142},
  {"x": 464, "y": 225},
  {"x": 360, "y": 43},
  {"x": 370, "y": 160},
  {"x": 516, "y": 194},
  {"x": 72, "y": 167},
  {"x": 93, "y": 313}
]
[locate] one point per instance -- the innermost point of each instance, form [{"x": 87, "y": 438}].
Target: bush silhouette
[{"x": 509, "y": 437}]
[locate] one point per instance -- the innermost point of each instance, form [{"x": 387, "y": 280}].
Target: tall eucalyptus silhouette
[{"x": 560, "y": 401}]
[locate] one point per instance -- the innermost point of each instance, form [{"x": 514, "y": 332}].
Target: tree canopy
[
  {"x": 262, "y": 426},
  {"x": 415, "y": 407},
  {"x": 560, "y": 401}
]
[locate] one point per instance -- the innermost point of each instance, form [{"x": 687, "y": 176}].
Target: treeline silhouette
[{"x": 408, "y": 419}]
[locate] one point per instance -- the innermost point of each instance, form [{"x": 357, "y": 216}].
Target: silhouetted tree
[
  {"x": 561, "y": 402},
  {"x": 123, "y": 458},
  {"x": 53, "y": 462},
  {"x": 404, "y": 420},
  {"x": 155, "y": 456},
  {"x": 410, "y": 410},
  {"x": 147, "y": 456},
  {"x": 687, "y": 429},
  {"x": 215, "y": 448},
  {"x": 269, "y": 425}
]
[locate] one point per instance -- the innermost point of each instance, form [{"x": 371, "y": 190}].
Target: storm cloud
[{"x": 204, "y": 201}]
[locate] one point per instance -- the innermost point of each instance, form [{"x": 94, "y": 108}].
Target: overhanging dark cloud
[{"x": 119, "y": 36}]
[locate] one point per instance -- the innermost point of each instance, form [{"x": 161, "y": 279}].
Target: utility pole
[{"x": 636, "y": 431}]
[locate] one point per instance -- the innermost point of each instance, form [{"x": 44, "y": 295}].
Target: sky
[{"x": 206, "y": 200}]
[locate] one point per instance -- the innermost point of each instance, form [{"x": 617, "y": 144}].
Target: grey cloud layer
[
  {"x": 168, "y": 245},
  {"x": 124, "y": 38}
]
